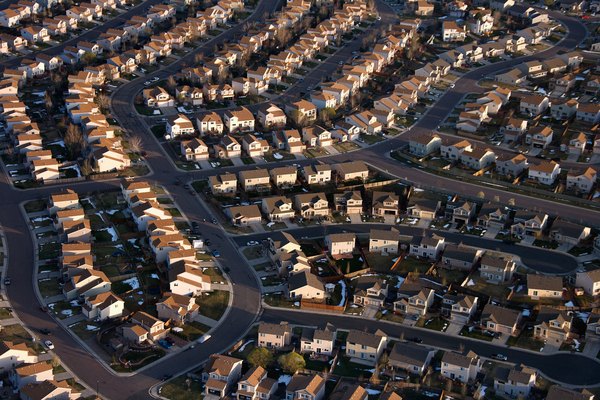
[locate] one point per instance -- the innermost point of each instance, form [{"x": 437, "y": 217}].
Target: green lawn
[
  {"x": 412, "y": 264},
  {"x": 5, "y": 313},
  {"x": 349, "y": 369},
  {"x": 436, "y": 323},
  {"x": 278, "y": 300},
  {"x": 214, "y": 304},
  {"x": 49, "y": 287},
  {"x": 526, "y": 341},
  {"x": 475, "y": 334},
  {"x": 35, "y": 206},
  {"x": 178, "y": 389},
  {"x": 192, "y": 331},
  {"x": 48, "y": 251}
]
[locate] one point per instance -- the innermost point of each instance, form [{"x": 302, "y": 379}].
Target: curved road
[{"x": 246, "y": 301}]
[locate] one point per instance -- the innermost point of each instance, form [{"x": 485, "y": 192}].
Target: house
[
  {"x": 544, "y": 172},
  {"x": 461, "y": 212},
  {"x": 274, "y": 335},
  {"x": 229, "y": 147},
  {"x": 88, "y": 283},
  {"x": 458, "y": 257},
  {"x": 161, "y": 245},
  {"x": 305, "y": 285},
  {"x": 352, "y": 170},
  {"x": 48, "y": 389},
  {"x": 103, "y": 306},
  {"x": 277, "y": 208},
  {"x": 516, "y": 381},
  {"x": 414, "y": 298},
  {"x": 318, "y": 340},
  {"x": 63, "y": 200},
  {"x": 511, "y": 165},
  {"x": 365, "y": 348},
  {"x": 255, "y": 385},
  {"x": 424, "y": 145},
  {"x": 289, "y": 140},
  {"x": 410, "y": 357},
  {"x": 557, "y": 392},
  {"x": 345, "y": 390},
  {"x": 255, "y": 147},
  {"x": 577, "y": 144},
  {"x": 156, "y": 328},
  {"x": 177, "y": 308},
  {"x": 514, "y": 77},
  {"x": 349, "y": 202},
  {"x": 316, "y": 174},
  {"x": 491, "y": 216},
  {"x": 582, "y": 182},
  {"x": 544, "y": 287},
  {"x": 501, "y": 319},
  {"x": 255, "y": 180},
  {"x": 12, "y": 355},
  {"x": 270, "y": 116},
  {"x": 530, "y": 224},
  {"x": 340, "y": 245},
  {"x": 588, "y": 113},
  {"x": 316, "y": 136},
  {"x": 422, "y": 208},
  {"x": 496, "y": 269},
  {"x": 452, "y": 150},
  {"x": 539, "y": 136},
  {"x": 239, "y": 119},
  {"x": 223, "y": 184},
  {"x": 244, "y": 215},
  {"x": 565, "y": 232},
  {"x": 284, "y": 177},
  {"x": 463, "y": 308},
  {"x": 384, "y": 241},
  {"x": 370, "y": 291},
  {"x": 553, "y": 326},
  {"x": 428, "y": 246},
  {"x": 385, "y": 203},
  {"x": 31, "y": 373},
  {"x": 305, "y": 387},
  {"x": 463, "y": 368},
  {"x": 186, "y": 277},
  {"x": 302, "y": 112},
  {"x": 157, "y": 97},
  {"x": 533, "y": 105},
  {"x": 451, "y": 32},
  {"x": 589, "y": 281},
  {"x": 209, "y": 123},
  {"x": 220, "y": 376},
  {"x": 194, "y": 149},
  {"x": 179, "y": 125},
  {"x": 311, "y": 205}
]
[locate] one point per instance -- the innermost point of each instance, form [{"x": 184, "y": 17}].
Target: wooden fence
[{"x": 322, "y": 307}]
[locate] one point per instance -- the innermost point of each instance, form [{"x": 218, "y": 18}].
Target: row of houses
[{"x": 508, "y": 164}]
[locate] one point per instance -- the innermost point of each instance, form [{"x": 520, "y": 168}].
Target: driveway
[{"x": 369, "y": 312}]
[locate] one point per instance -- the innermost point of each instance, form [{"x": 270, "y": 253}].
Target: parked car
[
  {"x": 499, "y": 357},
  {"x": 48, "y": 344}
]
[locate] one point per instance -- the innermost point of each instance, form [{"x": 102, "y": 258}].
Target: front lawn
[
  {"x": 214, "y": 304},
  {"x": 181, "y": 388},
  {"x": 435, "y": 323},
  {"x": 347, "y": 368},
  {"x": 475, "y": 334}
]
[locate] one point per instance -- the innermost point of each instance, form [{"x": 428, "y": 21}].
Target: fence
[{"x": 322, "y": 307}]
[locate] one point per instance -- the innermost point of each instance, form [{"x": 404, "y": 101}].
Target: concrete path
[
  {"x": 9, "y": 321},
  {"x": 73, "y": 319},
  {"x": 206, "y": 321},
  {"x": 54, "y": 299},
  {"x": 454, "y": 328},
  {"x": 62, "y": 376},
  {"x": 592, "y": 347}
]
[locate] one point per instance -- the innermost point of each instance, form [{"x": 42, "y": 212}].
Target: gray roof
[
  {"x": 304, "y": 278},
  {"x": 460, "y": 253},
  {"x": 500, "y": 315},
  {"x": 543, "y": 282},
  {"x": 566, "y": 228},
  {"x": 365, "y": 338},
  {"x": 560, "y": 393},
  {"x": 457, "y": 359},
  {"x": 385, "y": 234},
  {"x": 409, "y": 353},
  {"x": 274, "y": 329}
]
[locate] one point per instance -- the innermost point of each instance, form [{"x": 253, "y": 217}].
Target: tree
[
  {"x": 74, "y": 140},
  {"x": 260, "y": 356},
  {"x": 135, "y": 144},
  {"x": 48, "y": 100},
  {"x": 103, "y": 101},
  {"x": 86, "y": 167},
  {"x": 171, "y": 84},
  {"x": 88, "y": 58},
  {"x": 291, "y": 362}
]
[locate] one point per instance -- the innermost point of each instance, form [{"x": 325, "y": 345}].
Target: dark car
[
  {"x": 7, "y": 281},
  {"x": 45, "y": 331},
  {"x": 415, "y": 339},
  {"x": 499, "y": 357}
]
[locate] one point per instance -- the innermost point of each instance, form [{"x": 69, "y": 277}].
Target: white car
[
  {"x": 147, "y": 83},
  {"x": 204, "y": 338},
  {"x": 48, "y": 344}
]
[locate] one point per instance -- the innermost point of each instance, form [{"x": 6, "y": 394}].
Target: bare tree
[
  {"x": 103, "y": 101},
  {"x": 74, "y": 140},
  {"x": 171, "y": 84},
  {"x": 198, "y": 58},
  {"x": 86, "y": 167},
  {"x": 48, "y": 100},
  {"x": 136, "y": 144}
]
